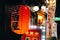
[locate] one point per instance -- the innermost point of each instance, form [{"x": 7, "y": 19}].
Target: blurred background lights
[
  {"x": 31, "y": 33},
  {"x": 43, "y": 39},
  {"x": 40, "y": 17},
  {"x": 47, "y": 1},
  {"x": 35, "y": 8},
  {"x": 41, "y": 27},
  {"x": 43, "y": 30},
  {"x": 43, "y": 36},
  {"x": 32, "y": 27},
  {"x": 27, "y": 32},
  {"x": 43, "y": 8},
  {"x": 36, "y": 33}
]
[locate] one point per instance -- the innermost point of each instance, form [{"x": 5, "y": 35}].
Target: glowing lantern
[{"x": 23, "y": 20}]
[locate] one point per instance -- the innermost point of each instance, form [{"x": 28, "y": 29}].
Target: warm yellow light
[
  {"x": 36, "y": 33},
  {"x": 40, "y": 17},
  {"x": 31, "y": 33},
  {"x": 27, "y": 32}
]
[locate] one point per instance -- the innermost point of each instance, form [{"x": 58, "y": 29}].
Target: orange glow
[
  {"x": 31, "y": 33},
  {"x": 24, "y": 17},
  {"x": 40, "y": 17},
  {"x": 27, "y": 33},
  {"x": 36, "y": 33}
]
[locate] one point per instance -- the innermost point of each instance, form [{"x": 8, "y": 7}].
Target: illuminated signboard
[
  {"x": 20, "y": 19},
  {"x": 57, "y": 19},
  {"x": 50, "y": 17}
]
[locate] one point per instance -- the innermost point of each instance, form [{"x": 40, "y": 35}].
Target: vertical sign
[
  {"x": 20, "y": 19},
  {"x": 50, "y": 17},
  {"x": 54, "y": 30}
]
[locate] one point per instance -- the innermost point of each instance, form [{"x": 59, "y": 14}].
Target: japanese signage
[
  {"x": 50, "y": 17},
  {"x": 54, "y": 30},
  {"x": 20, "y": 19}
]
